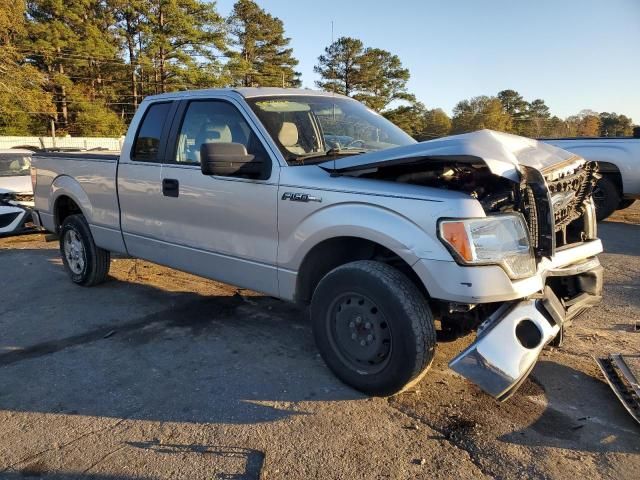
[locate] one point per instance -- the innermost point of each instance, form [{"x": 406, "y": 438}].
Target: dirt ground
[{"x": 158, "y": 374}]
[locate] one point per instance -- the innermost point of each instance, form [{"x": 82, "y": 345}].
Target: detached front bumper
[{"x": 509, "y": 342}]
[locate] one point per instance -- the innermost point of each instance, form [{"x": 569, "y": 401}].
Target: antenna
[{"x": 333, "y": 94}]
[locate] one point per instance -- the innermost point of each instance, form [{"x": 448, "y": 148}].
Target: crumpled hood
[
  {"x": 20, "y": 184},
  {"x": 503, "y": 153}
]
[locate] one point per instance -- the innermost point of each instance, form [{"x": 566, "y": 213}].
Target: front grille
[
  {"x": 569, "y": 189},
  {"x": 554, "y": 205}
]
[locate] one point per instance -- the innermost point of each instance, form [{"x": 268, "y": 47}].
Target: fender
[
  {"x": 354, "y": 219},
  {"x": 64, "y": 185}
]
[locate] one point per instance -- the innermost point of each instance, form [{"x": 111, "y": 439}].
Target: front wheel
[
  {"x": 373, "y": 327},
  {"x": 86, "y": 263}
]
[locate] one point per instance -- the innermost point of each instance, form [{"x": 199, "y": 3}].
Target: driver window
[{"x": 214, "y": 122}]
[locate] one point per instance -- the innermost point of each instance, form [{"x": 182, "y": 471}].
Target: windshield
[
  {"x": 14, "y": 164},
  {"x": 310, "y": 128}
]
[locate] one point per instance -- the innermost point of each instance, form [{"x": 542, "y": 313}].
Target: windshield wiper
[{"x": 332, "y": 152}]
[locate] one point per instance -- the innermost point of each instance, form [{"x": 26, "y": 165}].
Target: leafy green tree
[
  {"x": 513, "y": 103},
  {"x": 130, "y": 22},
  {"x": 437, "y": 124},
  {"x": 383, "y": 79},
  {"x": 584, "y": 124},
  {"x": 478, "y": 113},
  {"x": 262, "y": 56},
  {"x": 373, "y": 76},
  {"x": 339, "y": 66},
  {"x": 410, "y": 118},
  {"x": 556, "y": 127},
  {"x": 614, "y": 125},
  {"x": 72, "y": 42},
  {"x": 97, "y": 119},
  {"x": 182, "y": 33},
  {"x": 533, "y": 122},
  {"x": 25, "y": 107},
  {"x": 419, "y": 122}
]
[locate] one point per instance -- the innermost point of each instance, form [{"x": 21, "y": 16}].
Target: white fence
[{"x": 85, "y": 143}]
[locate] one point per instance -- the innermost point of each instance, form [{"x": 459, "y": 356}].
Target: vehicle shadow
[
  {"x": 253, "y": 459},
  {"x": 236, "y": 359},
  {"x": 570, "y": 418},
  {"x": 620, "y": 238},
  {"x": 29, "y": 473}
]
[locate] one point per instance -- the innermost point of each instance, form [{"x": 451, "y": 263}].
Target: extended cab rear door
[
  {"x": 140, "y": 180},
  {"x": 221, "y": 227}
]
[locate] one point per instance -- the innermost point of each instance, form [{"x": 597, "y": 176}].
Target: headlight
[{"x": 495, "y": 240}]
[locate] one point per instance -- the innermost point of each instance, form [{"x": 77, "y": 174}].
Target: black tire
[
  {"x": 395, "y": 311},
  {"x": 625, "y": 203},
  {"x": 606, "y": 197},
  {"x": 87, "y": 265}
]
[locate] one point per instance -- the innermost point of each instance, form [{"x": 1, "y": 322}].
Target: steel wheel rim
[
  {"x": 74, "y": 252},
  {"x": 359, "y": 333}
]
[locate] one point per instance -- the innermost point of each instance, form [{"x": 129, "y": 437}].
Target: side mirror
[{"x": 229, "y": 159}]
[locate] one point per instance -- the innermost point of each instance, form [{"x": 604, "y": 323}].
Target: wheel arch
[
  {"x": 68, "y": 198},
  {"x": 340, "y": 250},
  {"x": 613, "y": 172}
]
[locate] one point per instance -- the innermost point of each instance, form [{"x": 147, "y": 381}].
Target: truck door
[
  {"x": 220, "y": 227},
  {"x": 139, "y": 180}
]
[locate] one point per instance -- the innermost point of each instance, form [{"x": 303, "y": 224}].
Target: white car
[{"x": 16, "y": 192}]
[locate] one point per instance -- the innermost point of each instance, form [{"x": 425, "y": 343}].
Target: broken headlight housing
[{"x": 494, "y": 240}]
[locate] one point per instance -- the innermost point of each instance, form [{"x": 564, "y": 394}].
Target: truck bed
[{"x": 90, "y": 176}]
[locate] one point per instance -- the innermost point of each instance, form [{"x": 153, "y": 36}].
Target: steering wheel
[{"x": 361, "y": 144}]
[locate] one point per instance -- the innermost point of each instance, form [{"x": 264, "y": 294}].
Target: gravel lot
[{"x": 158, "y": 374}]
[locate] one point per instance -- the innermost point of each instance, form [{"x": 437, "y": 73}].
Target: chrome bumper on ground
[{"x": 510, "y": 340}]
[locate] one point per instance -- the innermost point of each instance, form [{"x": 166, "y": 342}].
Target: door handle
[{"x": 170, "y": 187}]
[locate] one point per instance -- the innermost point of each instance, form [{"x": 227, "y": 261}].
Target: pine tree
[
  {"x": 184, "y": 36},
  {"x": 262, "y": 56},
  {"x": 383, "y": 79},
  {"x": 339, "y": 66},
  {"x": 72, "y": 43},
  {"x": 372, "y": 75},
  {"x": 25, "y": 107},
  {"x": 478, "y": 113}
]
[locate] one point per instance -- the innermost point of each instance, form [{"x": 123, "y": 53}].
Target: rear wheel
[
  {"x": 606, "y": 197},
  {"x": 373, "y": 327},
  {"x": 86, "y": 263}
]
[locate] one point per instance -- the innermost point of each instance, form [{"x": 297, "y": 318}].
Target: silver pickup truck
[
  {"x": 313, "y": 198},
  {"x": 618, "y": 160}
]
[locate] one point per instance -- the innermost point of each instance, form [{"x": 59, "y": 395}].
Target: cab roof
[{"x": 246, "y": 92}]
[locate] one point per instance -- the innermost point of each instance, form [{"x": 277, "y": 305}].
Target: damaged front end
[
  {"x": 16, "y": 214},
  {"x": 551, "y": 189}
]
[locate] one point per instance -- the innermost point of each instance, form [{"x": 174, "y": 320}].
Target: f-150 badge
[{"x": 300, "y": 197}]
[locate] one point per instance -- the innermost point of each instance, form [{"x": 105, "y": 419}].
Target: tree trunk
[
  {"x": 132, "y": 57},
  {"x": 141, "y": 67},
  {"x": 162, "y": 55},
  {"x": 62, "y": 94},
  {"x": 134, "y": 83}
]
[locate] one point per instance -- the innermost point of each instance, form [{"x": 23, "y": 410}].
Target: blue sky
[{"x": 574, "y": 54}]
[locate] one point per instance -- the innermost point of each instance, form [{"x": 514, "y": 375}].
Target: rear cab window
[{"x": 148, "y": 141}]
